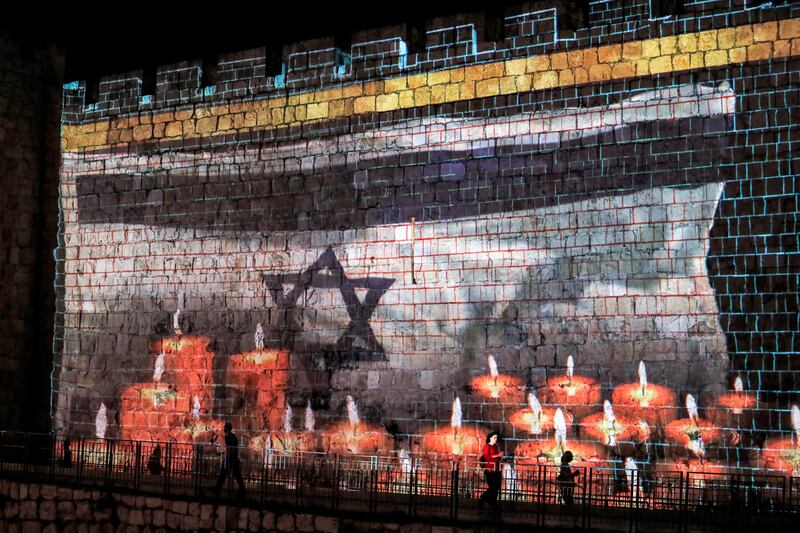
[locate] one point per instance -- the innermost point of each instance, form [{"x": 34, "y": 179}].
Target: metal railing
[{"x": 423, "y": 487}]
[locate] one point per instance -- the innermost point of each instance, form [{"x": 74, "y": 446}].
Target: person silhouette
[
  {"x": 490, "y": 460},
  {"x": 230, "y": 461},
  {"x": 66, "y": 454},
  {"x": 566, "y": 479},
  {"x": 154, "y": 461}
]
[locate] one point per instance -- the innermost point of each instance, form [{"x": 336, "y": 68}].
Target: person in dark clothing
[
  {"x": 566, "y": 479},
  {"x": 154, "y": 461},
  {"x": 230, "y": 461},
  {"x": 66, "y": 454},
  {"x": 490, "y": 460}
]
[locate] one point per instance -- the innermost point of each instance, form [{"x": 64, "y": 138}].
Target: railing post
[
  {"x": 734, "y": 489},
  {"x": 167, "y": 466},
  {"x": 684, "y": 499},
  {"x": 454, "y": 485},
  {"x": 587, "y": 472},
  {"x": 635, "y": 495},
  {"x": 336, "y": 482},
  {"x": 109, "y": 460},
  {"x": 373, "y": 484},
  {"x": 269, "y": 473},
  {"x": 137, "y": 473},
  {"x": 263, "y": 491},
  {"x": 297, "y": 494},
  {"x": 81, "y": 459},
  {"x": 412, "y": 487},
  {"x": 196, "y": 470},
  {"x": 539, "y": 493},
  {"x": 784, "y": 505}
]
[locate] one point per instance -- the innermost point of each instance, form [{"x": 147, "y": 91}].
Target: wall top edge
[{"x": 537, "y": 28}]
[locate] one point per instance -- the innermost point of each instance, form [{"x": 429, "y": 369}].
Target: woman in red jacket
[{"x": 491, "y": 469}]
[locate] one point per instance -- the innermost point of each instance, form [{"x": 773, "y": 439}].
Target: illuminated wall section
[{"x": 399, "y": 241}]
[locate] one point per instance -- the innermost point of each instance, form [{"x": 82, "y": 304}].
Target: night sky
[{"x": 101, "y": 39}]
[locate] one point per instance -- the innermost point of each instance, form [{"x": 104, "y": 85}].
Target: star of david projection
[{"x": 358, "y": 341}]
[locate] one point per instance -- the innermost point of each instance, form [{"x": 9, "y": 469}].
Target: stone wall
[
  {"x": 29, "y": 160},
  {"x": 35, "y": 508},
  {"x": 618, "y": 186}
]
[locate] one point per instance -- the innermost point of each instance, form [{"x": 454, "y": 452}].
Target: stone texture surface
[
  {"x": 29, "y": 158},
  {"x": 18, "y": 512},
  {"x": 391, "y": 234}
]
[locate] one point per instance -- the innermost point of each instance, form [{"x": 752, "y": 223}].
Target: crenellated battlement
[{"x": 404, "y": 49}]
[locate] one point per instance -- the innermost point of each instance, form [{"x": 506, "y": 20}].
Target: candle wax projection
[
  {"x": 613, "y": 429},
  {"x": 289, "y": 439},
  {"x": 694, "y": 434},
  {"x": 578, "y": 394},
  {"x": 455, "y": 440},
  {"x": 355, "y": 436},
  {"x": 534, "y": 419},
  {"x": 549, "y": 451},
  {"x": 783, "y": 453},
  {"x": 655, "y": 404},
  {"x": 498, "y": 386},
  {"x": 337, "y": 315}
]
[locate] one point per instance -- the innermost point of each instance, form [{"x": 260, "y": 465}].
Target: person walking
[
  {"x": 154, "y": 461},
  {"x": 566, "y": 479},
  {"x": 490, "y": 460},
  {"x": 230, "y": 462}
]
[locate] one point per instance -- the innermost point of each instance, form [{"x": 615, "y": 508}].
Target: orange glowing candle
[
  {"x": 577, "y": 394},
  {"x": 653, "y": 403},
  {"x": 612, "y": 428},
  {"x": 783, "y": 453},
  {"x": 550, "y": 451},
  {"x": 693, "y": 433},
  {"x": 357, "y": 437},
  {"x": 498, "y": 386},
  {"x": 453, "y": 441},
  {"x": 534, "y": 419},
  {"x": 736, "y": 409}
]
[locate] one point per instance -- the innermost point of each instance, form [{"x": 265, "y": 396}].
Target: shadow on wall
[{"x": 429, "y": 185}]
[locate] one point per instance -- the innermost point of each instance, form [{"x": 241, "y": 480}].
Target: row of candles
[
  {"x": 631, "y": 418},
  {"x": 646, "y": 407}
]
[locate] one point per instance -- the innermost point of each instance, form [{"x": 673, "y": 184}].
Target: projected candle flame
[
  {"x": 560, "y": 425},
  {"x": 536, "y": 410},
  {"x": 455, "y": 418},
  {"x": 630, "y": 472},
  {"x": 691, "y": 408},
  {"x": 570, "y": 368},
  {"x": 608, "y": 412},
  {"x": 352, "y": 411},
  {"x": 195, "y": 407},
  {"x": 159, "y": 369},
  {"x": 101, "y": 422},
  {"x": 493, "y": 367},
  {"x": 176, "y": 322},
  {"x": 642, "y": 379},
  {"x": 259, "y": 337},
  {"x": 611, "y": 428},
  {"x": 310, "y": 422},
  {"x": 287, "y": 419}
]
